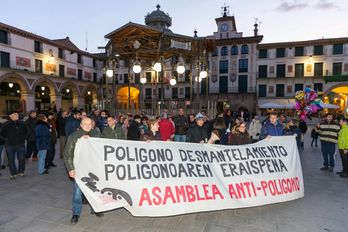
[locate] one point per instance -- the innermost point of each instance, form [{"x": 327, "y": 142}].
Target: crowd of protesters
[{"x": 35, "y": 138}]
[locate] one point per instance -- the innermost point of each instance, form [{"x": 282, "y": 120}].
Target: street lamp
[
  {"x": 157, "y": 67},
  {"x": 180, "y": 67},
  {"x": 172, "y": 81},
  {"x": 136, "y": 67},
  {"x": 109, "y": 73},
  {"x": 203, "y": 74}
]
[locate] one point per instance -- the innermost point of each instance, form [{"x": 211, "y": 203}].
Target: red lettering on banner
[{"x": 179, "y": 194}]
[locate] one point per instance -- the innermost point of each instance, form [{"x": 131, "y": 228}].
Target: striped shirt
[{"x": 328, "y": 132}]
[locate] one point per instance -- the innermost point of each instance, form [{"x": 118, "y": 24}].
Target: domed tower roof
[{"x": 158, "y": 19}]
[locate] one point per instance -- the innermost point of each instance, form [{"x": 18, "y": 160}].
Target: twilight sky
[{"x": 281, "y": 20}]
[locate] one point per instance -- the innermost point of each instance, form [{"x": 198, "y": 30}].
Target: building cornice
[{"x": 329, "y": 41}]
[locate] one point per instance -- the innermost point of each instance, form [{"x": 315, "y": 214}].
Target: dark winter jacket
[
  {"x": 294, "y": 130},
  {"x": 133, "y": 132},
  {"x": 196, "y": 134},
  {"x": 14, "y": 132},
  {"x": 2, "y": 141},
  {"x": 53, "y": 131},
  {"x": 70, "y": 146},
  {"x": 181, "y": 124},
  {"x": 31, "y": 124},
  {"x": 116, "y": 133},
  {"x": 102, "y": 122},
  {"x": 303, "y": 127},
  {"x": 61, "y": 125},
  {"x": 239, "y": 139},
  {"x": 71, "y": 125},
  {"x": 43, "y": 138},
  {"x": 271, "y": 130},
  {"x": 150, "y": 136}
]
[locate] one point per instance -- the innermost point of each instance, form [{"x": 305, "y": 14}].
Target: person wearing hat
[
  {"x": 133, "y": 132},
  {"x": 14, "y": 132},
  {"x": 31, "y": 140},
  {"x": 255, "y": 129},
  {"x": 198, "y": 133}
]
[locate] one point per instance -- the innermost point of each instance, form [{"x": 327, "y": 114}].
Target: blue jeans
[
  {"x": 328, "y": 149},
  {"x": 13, "y": 151},
  {"x": 180, "y": 138},
  {"x": 41, "y": 163},
  {"x": 77, "y": 200}
]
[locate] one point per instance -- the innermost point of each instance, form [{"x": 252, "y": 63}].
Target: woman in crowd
[
  {"x": 239, "y": 135},
  {"x": 152, "y": 133},
  {"x": 315, "y": 135},
  {"x": 219, "y": 129},
  {"x": 43, "y": 140},
  {"x": 255, "y": 129}
]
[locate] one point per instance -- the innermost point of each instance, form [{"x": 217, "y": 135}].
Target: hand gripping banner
[{"x": 169, "y": 178}]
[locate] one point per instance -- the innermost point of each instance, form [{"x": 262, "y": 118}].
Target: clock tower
[{"x": 226, "y": 25}]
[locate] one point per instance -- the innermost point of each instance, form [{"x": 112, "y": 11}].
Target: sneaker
[
  {"x": 53, "y": 165},
  {"x": 324, "y": 168},
  {"x": 44, "y": 172},
  {"x": 74, "y": 220},
  {"x": 21, "y": 174},
  {"x": 339, "y": 173},
  {"x": 3, "y": 166},
  {"x": 13, "y": 177},
  {"x": 330, "y": 169}
]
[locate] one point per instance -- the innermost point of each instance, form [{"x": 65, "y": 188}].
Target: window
[
  {"x": 318, "y": 87},
  {"x": 224, "y": 51},
  {"x": 262, "y": 71},
  {"x": 174, "y": 92},
  {"x": 38, "y": 66},
  {"x": 263, "y": 53},
  {"x": 280, "y": 52},
  {"x": 318, "y": 69},
  {"x": 79, "y": 59},
  {"x": 61, "y": 70},
  {"x": 243, "y": 65},
  {"x": 299, "y": 51},
  {"x": 262, "y": 91},
  {"x": 280, "y": 90},
  {"x": 223, "y": 84},
  {"x": 126, "y": 79},
  {"x": 243, "y": 84},
  {"x": 3, "y": 37},
  {"x": 95, "y": 77},
  {"x": 298, "y": 87},
  {"x": 280, "y": 70},
  {"x": 37, "y": 46},
  {"x": 337, "y": 69},
  {"x": 244, "y": 49},
  {"x": 4, "y": 59},
  {"x": 148, "y": 94},
  {"x": 299, "y": 70},
  {"x": 79, "y": 74},
  {"x": 318, "y": 50},
  {"x": 160, "y": 93},
  {"x": 223, "y": 66},
  {"x": 337, "y": 49},
  {"x": 187, "y": 76},
  {"x": 187, "y": 92},
  {"x": 137, "y": 78},
  {"x": 234, "y": 50},
  {"x": 215, "y": 53},
  {"x": 148, "y": 76},
  {"x": 60, "y": 53},
  {"x": 94, "y": 63}
]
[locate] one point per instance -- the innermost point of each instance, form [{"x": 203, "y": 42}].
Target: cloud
[
  {"x": 325, "y": 5},
  {"x": 291, "y": 6}
]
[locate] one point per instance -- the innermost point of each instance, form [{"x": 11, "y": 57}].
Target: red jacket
[{"x": 166, "y": 129}]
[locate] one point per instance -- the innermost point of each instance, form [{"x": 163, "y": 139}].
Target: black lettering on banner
[
  {"x": 120, "y": 153},
  {"x": 183, "y": 155},
  {"x": 108, "y": 150},
  {"x": 109, "y": 168},
  {"x": 282, "y": 151}
]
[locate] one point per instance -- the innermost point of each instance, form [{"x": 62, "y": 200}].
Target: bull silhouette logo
[{"x": 117, "y": 194}]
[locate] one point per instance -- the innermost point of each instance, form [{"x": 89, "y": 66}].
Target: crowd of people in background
[{"x": 35, "y": 138}]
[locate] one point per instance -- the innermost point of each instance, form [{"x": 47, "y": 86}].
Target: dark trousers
[
  {"x": 344, "y": 158},
  {"x": 51, "y": 152},
  {"x": 314, "y": 140},
  {"x": 31, "y": 148},
  {"x": 328, "y": 149},
  {"x": 13, "y": 152}
]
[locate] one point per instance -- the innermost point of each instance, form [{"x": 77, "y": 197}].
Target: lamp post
[
  {"x": 142, "y": 81},
  {"x": 110, "y": 74}
]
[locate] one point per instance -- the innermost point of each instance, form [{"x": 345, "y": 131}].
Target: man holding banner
[{"x": 85, "y": 132}]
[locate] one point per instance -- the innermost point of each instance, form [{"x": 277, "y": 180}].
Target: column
[
  {"x": 56, "y": 102},
  {"x": 79, "y": 102},
  {"x": 29, "y": 101}
]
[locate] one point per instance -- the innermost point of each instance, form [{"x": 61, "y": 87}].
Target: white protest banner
[{"x": 168, "y": 178}]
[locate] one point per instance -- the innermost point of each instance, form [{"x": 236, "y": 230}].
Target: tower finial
[
  {"x": 225, "y": 10},
  {"x": 195, "y": 32},
  {"x": 158, "y": 6}
]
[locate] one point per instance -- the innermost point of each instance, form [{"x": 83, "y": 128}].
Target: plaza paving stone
[{"x": 42, "y": 203}]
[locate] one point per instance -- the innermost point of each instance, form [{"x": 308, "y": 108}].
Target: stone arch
[
  {"x": 334, "y": 86},
  {"x": 17, "y": 78},
  {"x": 52, "y": 86},
  {"x": 88, "y": 88},
  {"x": 75, "y": 89}
]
